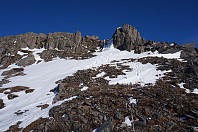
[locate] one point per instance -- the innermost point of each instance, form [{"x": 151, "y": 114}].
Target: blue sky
[{"x": 159, "y": 20}]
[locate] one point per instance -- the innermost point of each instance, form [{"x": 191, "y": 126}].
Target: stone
[
  {"x": 27, "y": 61},
  {"x": 91, "y": 37},
  {"x": 128, "y": 38},
  {"x": 123, "y": 125},
  {"x": 170, "y": 125},
  {"x": 12, "y": 96},
  {"x": 106, "y": 127},
  {"x": 12, "y": 71},
  {"x": 189, "y": 45},
  {"x": 1, "y": 104},
  {"x": 118, "y": 116}
]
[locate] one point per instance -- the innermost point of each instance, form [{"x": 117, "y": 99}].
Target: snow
[
  {"x": 84, "y": 88},
  {"x": 128, "y": 121},
  {"x": 36, "y": 52},
  {"x": 172, "y": 44},
  {"x": 168, "y": 56},
  {"x": 42, "y": 78},
  {"x": 21, "y": 53},
  {"x": 195, "y": 91},
  {"x": 134, "y": 101},
  {"x": 100, "y": 74},
  {"x": 141, "y": 73}
]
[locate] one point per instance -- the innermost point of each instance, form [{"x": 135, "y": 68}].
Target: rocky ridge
[{"x": 164, "y": 106}]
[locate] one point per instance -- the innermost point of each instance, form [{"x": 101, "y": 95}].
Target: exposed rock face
[
  {"x": 27, "y": 61},
  {"x": 189, "y": 51},
  {"x": 58, "y": 44},
  {"x": 128, "y": 38}
]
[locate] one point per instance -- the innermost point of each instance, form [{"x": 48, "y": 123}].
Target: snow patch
[
  {"x": 84, "y": 88},
  {"x": 141, "y": 73},
  {"x": 134, "y": 101},
  {"x": 21, "y": 53},
  {"x": 100, "y": 74},
  {"x": 128, "y": 121}
]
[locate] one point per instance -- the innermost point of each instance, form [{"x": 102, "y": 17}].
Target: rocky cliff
[{"x": 58, "y": 44}]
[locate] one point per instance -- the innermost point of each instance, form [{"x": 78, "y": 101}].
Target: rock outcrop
[
  {"x": 128, "y": 38},
  {"x": 58, "y": 44},
  {"x": 29, "y": 60}
]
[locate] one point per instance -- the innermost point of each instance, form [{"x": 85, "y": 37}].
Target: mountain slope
[{"x": 56, "y": 89}]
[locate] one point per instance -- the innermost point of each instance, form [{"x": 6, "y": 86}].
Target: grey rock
[
  {"x": 142, "y": 121},
  {"x": 27, "y": 61},
  {"x": 118, "y": 116},
  {"x": 91, "y": 37},
  {"x": 106, "y": 127},
  {"x": 128, "y": 38},
  {"x": 188, "y": 45},
  {"x": 1, "y": 104},
  {"x": 170, "y": 125}
]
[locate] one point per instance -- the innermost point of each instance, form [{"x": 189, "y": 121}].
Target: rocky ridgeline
[
  {"x": 74, "y": 46},
  {"x": 128, "y": 38},
  {"x": 58, "y": 44}
]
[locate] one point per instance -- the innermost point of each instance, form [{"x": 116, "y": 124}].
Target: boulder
[
  {"x": 91, "y": 37},
  {"x": 188, "y": 51},
  {"x": 27, "y": 61},
  {"x": 12, "y": 96},
  {"x": 106, "y": 127},
  {"x": 128, "y": 38},
  {"x": 1, "y": 104}
]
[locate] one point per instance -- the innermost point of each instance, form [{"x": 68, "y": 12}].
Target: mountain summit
[{"x": 66, "y": 82}]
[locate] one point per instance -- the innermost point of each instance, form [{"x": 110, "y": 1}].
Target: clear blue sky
[{"x": 159, "y": 20}]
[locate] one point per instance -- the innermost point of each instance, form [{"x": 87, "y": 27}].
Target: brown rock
[
  {"x": 12, "y": 96},
  {"x": 1, "y": 104}
]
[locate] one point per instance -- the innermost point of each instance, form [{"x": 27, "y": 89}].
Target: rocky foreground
[{"x": 92, "y": 98}]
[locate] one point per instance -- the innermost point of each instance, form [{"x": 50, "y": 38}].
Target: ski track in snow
[{"x": 42, "y": 78}]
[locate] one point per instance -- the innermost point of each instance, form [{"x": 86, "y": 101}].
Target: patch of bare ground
[
  {"x": 35, "y": 125},
  {"x": 19, "y": 112},
  {"x": 11, "y": 90},
  {"x": 43, "y": 106},
  {"x": 15, "y": 128},
  {"x": 11, "y": 73}
]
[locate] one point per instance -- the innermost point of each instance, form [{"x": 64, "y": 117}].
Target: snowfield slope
[{"x": 42, "y": 77}]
